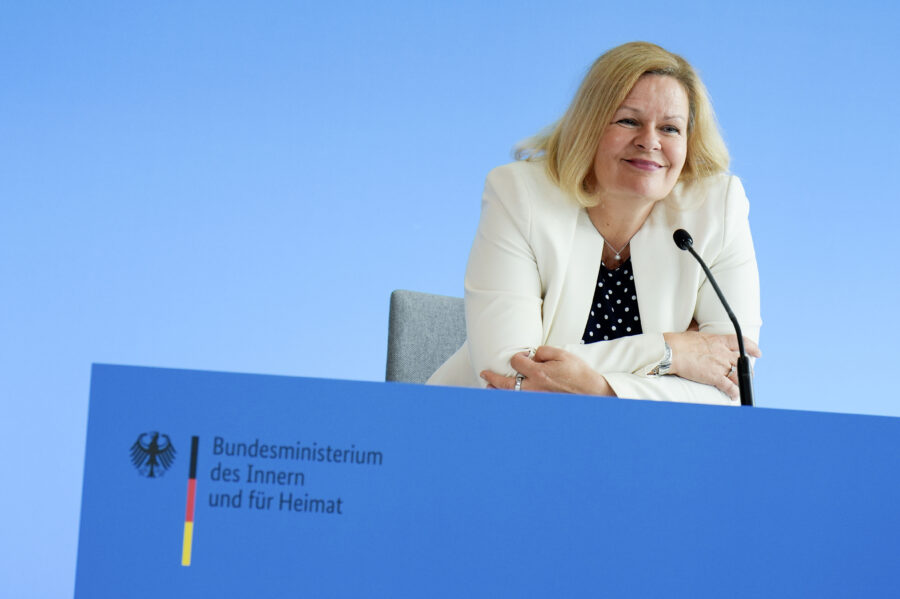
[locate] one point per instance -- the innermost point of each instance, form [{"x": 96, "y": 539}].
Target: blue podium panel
[{"x": 321, "y": 488}]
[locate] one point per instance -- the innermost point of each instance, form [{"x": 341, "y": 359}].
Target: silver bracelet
[{"x": 665, "y": 365}]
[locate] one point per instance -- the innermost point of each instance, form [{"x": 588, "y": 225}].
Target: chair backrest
[{"x": 423, "y": 331}]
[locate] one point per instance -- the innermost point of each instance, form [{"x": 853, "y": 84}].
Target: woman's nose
[{"x": 647, "y": 139}]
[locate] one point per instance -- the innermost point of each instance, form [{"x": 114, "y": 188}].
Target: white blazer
[{"x": 534, "y": 263}]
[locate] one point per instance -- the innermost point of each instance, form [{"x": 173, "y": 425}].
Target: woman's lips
[{"x": 644, "y": 165}]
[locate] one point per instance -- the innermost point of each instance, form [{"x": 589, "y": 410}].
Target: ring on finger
[
  {"x": 519, "y": 378},
  {"x": 733, "y": 369}
]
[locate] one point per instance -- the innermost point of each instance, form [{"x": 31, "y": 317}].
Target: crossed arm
[
  {"x": 700, "y": 357},
  {"x": 504, "y": 288}
]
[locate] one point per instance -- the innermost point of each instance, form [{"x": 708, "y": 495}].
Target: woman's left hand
[{"x": 551, "y": 369}]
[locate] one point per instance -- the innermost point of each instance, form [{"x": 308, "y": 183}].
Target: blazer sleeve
[
  {"x": 636, "y": 354},
  {"x": 503, "y": 288},
  {"x": 732, "y": 260}
]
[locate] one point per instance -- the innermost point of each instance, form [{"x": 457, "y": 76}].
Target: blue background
[{"x": 239, "y": 187}]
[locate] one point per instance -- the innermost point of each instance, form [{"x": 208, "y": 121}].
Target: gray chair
[{"x": 423, "y": 331}]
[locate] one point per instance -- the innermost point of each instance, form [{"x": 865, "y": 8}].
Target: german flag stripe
[
  {"x": 195, "y": 441},
  {"x": 192, "y": 490},
  {"x": 188, "y": 539}
]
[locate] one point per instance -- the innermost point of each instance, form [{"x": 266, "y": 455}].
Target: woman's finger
[
  {"x": 728, "y": 387},
  {"x": 523, "y": 364},
  {"x": 498, "y": 381},
  {"x": 750, "y": 346},
  {"x": 731, "y": 342},
  {"x": 548, "y": 353},
  {"x": 732, "y": 376}
]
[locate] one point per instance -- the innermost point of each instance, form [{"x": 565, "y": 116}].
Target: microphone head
[{"x": 683, "y": 239}]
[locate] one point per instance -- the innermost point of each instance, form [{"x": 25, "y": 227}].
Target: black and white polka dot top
[{"x": 614, "y": 311}]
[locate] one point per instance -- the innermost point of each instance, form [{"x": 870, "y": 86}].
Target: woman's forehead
[{"x": 660, "y": 94}]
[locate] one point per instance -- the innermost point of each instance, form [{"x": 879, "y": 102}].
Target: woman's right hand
[{"x": 708, "y": 359}]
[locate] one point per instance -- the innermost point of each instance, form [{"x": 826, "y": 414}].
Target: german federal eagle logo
[{"x": 152, "y": 454}]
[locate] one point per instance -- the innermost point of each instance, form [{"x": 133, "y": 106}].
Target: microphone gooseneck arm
[{"x": 685, "y": 242}]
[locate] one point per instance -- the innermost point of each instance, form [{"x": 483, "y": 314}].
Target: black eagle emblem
[{"x": 152, "y": 454}]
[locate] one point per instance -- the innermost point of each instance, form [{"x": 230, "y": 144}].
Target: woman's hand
[
  {"x": 551, "y": 369},
  {"x": 708, "y": 359}
]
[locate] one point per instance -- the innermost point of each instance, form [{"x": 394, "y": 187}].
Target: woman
[{"x": 574, "y": 283}]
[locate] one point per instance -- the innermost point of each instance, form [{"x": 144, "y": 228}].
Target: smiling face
[{"x": 642, "y": 150}]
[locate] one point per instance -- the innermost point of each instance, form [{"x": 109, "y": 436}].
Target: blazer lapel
[
  {"x": 657, "y": 266},
  {"x": 581, "y": 269}
]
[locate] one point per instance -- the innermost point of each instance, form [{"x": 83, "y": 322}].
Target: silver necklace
[{"x": 618, "y": 252}]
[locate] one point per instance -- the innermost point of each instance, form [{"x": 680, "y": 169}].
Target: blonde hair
[{"x": 570, "y": 145}]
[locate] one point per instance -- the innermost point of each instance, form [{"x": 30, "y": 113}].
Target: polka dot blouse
[{"x": 614, "y": 311}]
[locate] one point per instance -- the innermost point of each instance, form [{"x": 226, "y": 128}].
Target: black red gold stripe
[{"x": 188, "y": 541}]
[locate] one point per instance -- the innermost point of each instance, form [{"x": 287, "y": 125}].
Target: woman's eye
[
  {"x": 671, "y": 130},
  {"x": 627, "y": 122}
]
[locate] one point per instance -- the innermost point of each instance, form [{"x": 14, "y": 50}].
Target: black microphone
[{"x": 684, "y": 241}]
